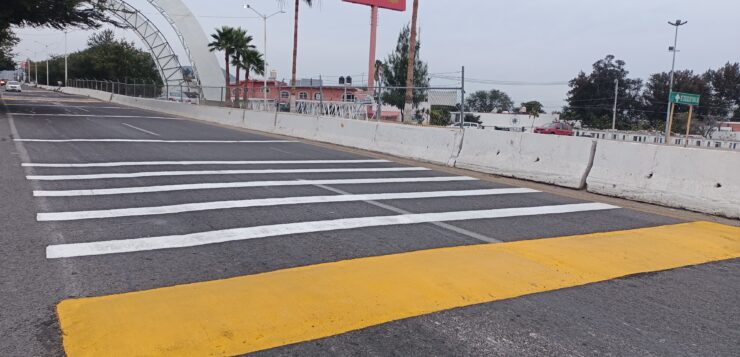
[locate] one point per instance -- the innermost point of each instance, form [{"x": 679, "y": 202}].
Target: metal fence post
[{"x": 462, "y": 99}]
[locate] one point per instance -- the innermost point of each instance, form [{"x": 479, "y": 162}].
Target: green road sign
[{"x": 684, "y": 98}]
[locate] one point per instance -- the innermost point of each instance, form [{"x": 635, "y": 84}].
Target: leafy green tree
[
  {"x": 591, "y": 96},
  {"x": 439, "y": 115},
  {"x": 489, "y": 101},
  {"x": 394, "y": 74},
  {"x": 7, "y": 41},
  {"x": 725, "y": 83},
  {"x": 106, "y": 58},
  {"x": 534, "y": 108},
  {"x": 57, "y": 14},
  {"x": 472, "y": 118},
  {"x": 655, "y": 97}
]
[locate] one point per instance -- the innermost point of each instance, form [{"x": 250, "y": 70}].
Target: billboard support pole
[{"x": 373, "y": 34}]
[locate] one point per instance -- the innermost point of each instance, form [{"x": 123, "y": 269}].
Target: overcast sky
[{"x": 505, "y": 40}]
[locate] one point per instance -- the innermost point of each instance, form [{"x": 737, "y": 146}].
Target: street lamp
[
  {"x": 65, "y": 58},
  {"x": 264, "y": 20},
  {"x": 36, "y": 66},
  {"x": 47, "y": 63},
  {"x": 674, "y": 49}
]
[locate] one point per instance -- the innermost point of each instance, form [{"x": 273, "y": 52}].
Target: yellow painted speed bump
[{"x": 256, "y": 312}]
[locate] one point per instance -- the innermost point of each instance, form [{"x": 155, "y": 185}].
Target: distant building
[
  {"x": 728, "y": 131},
  {"x": 306, "y": 89}
]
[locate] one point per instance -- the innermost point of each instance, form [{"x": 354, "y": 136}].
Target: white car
[
  {"x": 13, "y": 86},
  {"x": 467, "y": 125}
]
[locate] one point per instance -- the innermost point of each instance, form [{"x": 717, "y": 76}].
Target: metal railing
[{"x": 345, "y": 102}]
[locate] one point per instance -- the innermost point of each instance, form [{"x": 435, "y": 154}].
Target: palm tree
[
  {"x": 240, "y": 42},
  {"x": 295, "y": 45},
  {"x": 223, "y": 40},
  {"x": 250, "y": 60}
]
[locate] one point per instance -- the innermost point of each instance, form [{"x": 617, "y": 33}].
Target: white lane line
[
  {"x": 140, "y": 129},
  {"x": 66, "y": 106},
  {"x": 155, "y": 141},
  {"x": 266, "y": 202},
  {"x": 94, "y": 115},
  {"x": 208, "y": 186},
  {"x": 214, "y": 172},
  {"x": 188, "y": 163},
  {"x": 241, "y": 234}
]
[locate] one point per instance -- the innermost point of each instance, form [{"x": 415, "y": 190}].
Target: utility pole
[
  {"x": 408, "y": 107},
  {"x": 670, "y": 86},
  {"x": 614, "y": 110}
]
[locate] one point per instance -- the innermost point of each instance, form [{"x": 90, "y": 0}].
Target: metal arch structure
[
  {"x": 164, "y": 56},
  {"x": 180, "y": 36},
  {"x": 206, "y": 67}
]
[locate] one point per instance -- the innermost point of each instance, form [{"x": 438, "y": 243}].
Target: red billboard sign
[{"x": 398, "y": 5}]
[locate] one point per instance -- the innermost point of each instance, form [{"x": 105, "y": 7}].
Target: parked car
[
  {"x": 13, "y": 86},
  {"x": 555, "y": 129},
  {"x": 184, "y": 97},
  {"x": 3, "y": 82},
  {"x": 467, "y": 125}
]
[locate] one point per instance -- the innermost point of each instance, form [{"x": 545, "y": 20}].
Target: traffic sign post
[
  {"x": 688, "y": 126},
  {"x": 685, "y": 99}
]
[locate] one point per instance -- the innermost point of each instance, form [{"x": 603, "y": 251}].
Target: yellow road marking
[{"x": 256, "y": 312}]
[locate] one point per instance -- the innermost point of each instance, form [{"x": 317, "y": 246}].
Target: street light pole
[
  {"x": 47, "y": 63},
  {"x": 65, "y": 59},
  {"x": 670, "y": 86},
  {"x": 264, "y": 22}
]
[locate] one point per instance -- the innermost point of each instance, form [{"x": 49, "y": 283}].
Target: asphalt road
[{"x": 689, "y": 311}]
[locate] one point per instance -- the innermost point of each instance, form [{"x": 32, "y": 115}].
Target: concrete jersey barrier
[
  {"x": 557, "y": 160},
  {"x": 430, "y": 144},
  {"x": 695, "y": 179}
]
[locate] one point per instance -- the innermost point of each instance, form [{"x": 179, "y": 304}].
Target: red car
[
  {"x": 555, "y": 129},
  {"x": 3, "y": 82}
]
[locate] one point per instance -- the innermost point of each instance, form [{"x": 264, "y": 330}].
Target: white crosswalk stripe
[
  {"x": 190, "y": 163},
  {"x": 214, "y": 172},
  {"x": 267, "y": 167},
  {"x": 241, "y": 234},
  {"x": 206, "y": 206},
  {"x": 225, "y": 185}
]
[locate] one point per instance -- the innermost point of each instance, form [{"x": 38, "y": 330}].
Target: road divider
[
  {"x": 557, "y": 160},
  {"x": 699, "y": 180}
]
